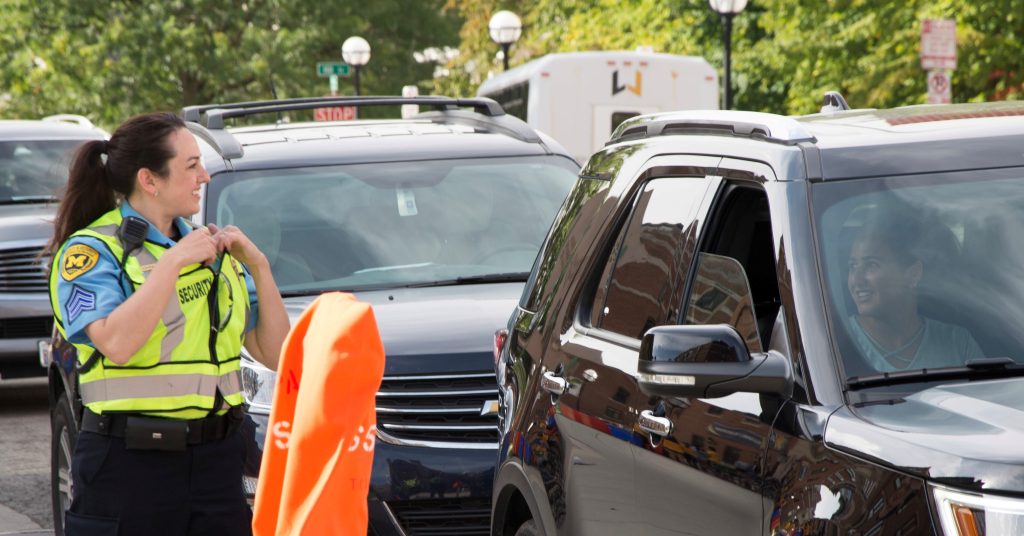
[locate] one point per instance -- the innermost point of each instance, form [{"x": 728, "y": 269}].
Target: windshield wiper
[
  {"x": 473, "y": 280},
  {"x": 25, "y": 199},
  {"x": 973, "y": 369}
]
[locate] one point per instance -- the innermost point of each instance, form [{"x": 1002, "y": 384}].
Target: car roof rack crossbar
[
  {"x": 755, "y": 125},
  {"x": 212, "y": 116},
  {"x": 504, "y": 124},
  {"x": 195, "y": 113},
  {"x": 221, "y": 140}
]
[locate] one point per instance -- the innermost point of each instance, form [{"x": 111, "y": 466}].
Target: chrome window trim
[{"x": 392, "y": 440}]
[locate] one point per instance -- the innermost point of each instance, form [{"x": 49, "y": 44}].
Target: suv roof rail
[
  {"x": 833, "y": 101},
  {"x": 221, "y": 140},
  {"x": 79, "y": 120},
  {"x": 505, "y": 124},
  {"x": 756, "y": 125},
  {"x": 215, "y": 114}
]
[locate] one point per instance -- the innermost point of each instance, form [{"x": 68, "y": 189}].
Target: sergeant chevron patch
[{"x": 80, "y": 301}]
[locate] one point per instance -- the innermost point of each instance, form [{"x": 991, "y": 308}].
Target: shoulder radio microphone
[{"x": 132, "y": 234}]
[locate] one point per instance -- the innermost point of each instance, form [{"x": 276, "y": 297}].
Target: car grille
[
  {"x": 439, "y": 410},
  {"x": 26, "y": 328},
  {"x": 450, "y": 517},
  {"x": 21, "y": 270}
]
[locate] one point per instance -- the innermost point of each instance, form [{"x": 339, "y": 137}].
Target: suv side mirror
[
  {"x": 708, "y": 361},
  {"x": 721, "y": 295}
]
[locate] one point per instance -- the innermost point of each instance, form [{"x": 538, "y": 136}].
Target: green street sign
[{"x": 332, "y": 68}]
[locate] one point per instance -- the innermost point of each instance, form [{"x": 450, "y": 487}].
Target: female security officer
[{"x": 157, "y": 310}]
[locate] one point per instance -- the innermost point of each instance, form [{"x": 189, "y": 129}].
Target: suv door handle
[
  {"x": 659, "y": 426},
  {"x": 553, "y": 384}
]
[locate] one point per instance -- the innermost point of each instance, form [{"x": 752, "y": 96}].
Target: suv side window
[
  {"x": 642, "y": 280},
  {"x": 741, "y": 229}
]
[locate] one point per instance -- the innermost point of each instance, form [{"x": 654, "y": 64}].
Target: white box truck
[{"x": 579, "y": 98}]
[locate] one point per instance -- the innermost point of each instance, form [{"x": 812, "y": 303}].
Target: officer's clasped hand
[
  {"x": 232, "y": 240},
  {"x": 199, "y": 246},
  {"x": 205, "y": 244}
]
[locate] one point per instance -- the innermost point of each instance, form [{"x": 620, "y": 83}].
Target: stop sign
[{"x": 334, "y": 113}]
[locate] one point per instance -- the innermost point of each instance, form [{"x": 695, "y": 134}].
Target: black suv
[
  {"x": 435, "y": 220},
  {"x": 743, "y": 323}
]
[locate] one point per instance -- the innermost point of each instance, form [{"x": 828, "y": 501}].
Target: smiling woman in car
[
  {"x": 157, "y": 309},
  {"x": 885, "y": 268}
]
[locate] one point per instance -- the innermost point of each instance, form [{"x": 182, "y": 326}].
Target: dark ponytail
[
  {"x": 103, "y": 172},
  {"x": 88, "y": 193}
]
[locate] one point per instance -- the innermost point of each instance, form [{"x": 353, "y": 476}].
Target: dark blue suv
[{"x": 436, "y": 221}]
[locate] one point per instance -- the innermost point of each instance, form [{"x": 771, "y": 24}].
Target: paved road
[{"x": 24, "y": 458}]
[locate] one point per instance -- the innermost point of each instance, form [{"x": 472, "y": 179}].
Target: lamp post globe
[
  {"x": 728, "y": 6},
  {"x": 727, "y": 9},
  {"x": 356, "y": 52},
  {"x": 505, "y": 29}
]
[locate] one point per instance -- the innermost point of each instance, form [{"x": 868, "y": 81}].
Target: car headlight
[
  {"x": 257, "y": 384},
  {"x": 970, "y": 514}
]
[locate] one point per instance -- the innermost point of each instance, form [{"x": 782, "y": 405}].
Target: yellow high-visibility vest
[{"x": 188, "y": 359}]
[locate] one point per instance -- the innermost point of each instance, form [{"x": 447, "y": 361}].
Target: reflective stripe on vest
[
  {"x": 173, "y": 373},
  {"x": 170, "y": 386}
]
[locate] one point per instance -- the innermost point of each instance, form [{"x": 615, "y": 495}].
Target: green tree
[
  {"x": 786, "y": 53},
  {"x": 109, "y": 60},
  {"x": 869, "y": 50}
]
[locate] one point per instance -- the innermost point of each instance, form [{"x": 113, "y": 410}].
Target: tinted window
[
  {"x": 639, "y": 284},
  {"x": 395, "y": 224},
  {"x": 30, "y": 170},
  {"x": 581, "y": 205},
  {"x": 921, "y": 271}
]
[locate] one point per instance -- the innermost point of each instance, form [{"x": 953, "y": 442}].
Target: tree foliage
[
  {"x": 108, "y": 60},
  {"x": 786, "y": 53}
]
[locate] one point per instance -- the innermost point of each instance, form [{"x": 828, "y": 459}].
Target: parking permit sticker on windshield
[{"x": 406, "y": 202}]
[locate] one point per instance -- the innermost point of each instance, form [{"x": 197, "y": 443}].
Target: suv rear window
[
  {"x": 33, "y": 170},
  {"x": 383, "y": 225}
]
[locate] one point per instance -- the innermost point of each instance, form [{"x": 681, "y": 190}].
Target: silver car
[{"x": 34, "y": 158}]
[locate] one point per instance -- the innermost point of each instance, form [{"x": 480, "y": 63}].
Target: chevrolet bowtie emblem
[{"x": 490, "y": 408}]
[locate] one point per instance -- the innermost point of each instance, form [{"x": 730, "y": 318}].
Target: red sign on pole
[
  {"x": 335, "y": 113},
  {"x": 938, "y": 44}
]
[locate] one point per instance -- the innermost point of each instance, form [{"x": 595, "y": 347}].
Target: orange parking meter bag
[{"x": 315, "y": 474}]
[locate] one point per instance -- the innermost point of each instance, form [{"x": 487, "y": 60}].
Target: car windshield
[
  {"x": 921, "y": 271},
  {"x": 394, "y": 224},
  {"x": 33, "y": 170}
]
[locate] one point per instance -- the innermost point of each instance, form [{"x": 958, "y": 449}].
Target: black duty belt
[{"x": 163, "y": 434}]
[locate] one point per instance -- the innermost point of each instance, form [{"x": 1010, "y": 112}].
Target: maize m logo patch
[{"x": 78, "y": 260}]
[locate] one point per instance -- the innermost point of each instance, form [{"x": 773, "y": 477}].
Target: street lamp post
[
  {"x": 727, "y": 9},
  {"x": 505, "y": 29},
  {"x": 356, "y": 52}
]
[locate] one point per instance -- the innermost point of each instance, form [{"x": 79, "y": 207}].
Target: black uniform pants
[{"x": 119, "y": 491}]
